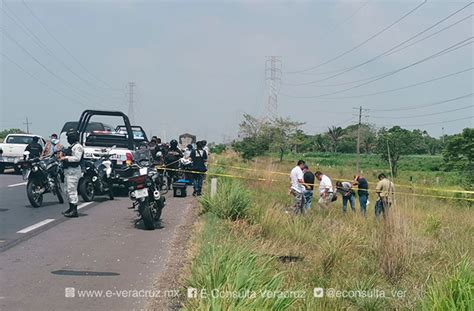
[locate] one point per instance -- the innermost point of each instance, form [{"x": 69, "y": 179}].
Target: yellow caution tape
[
  {"x": 396, "y": 184},
  {"x": 274, "y": 180}
]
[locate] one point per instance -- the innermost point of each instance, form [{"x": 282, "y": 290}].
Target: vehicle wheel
[
  {"x": 111, "y": 191},
  {"x": 86, "y": 189},
  {"x": 147, "y": 217},
  {"x": 59, "y": 192},
  {"x": 159, "y": 209},
  {"x": 35, "y": 199},
  {"x": 17, "y": 169},
  {"x": 2, "y": 168}
]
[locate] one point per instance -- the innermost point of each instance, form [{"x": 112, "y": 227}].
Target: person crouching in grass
[
  {"x": 326, "y": 192},
  {"x": 345, "y": 189}
]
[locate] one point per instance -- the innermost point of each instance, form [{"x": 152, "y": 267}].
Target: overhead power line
[
  {"x": 450, "y": 49},
  {"x": 434, "y": 123},
  {"x": 395, "y": 49},
  {"x": 425, "y": 105},
  {"x": 48, "y": 51},
  {"x": 362, "y": 43},
  {"x": 425, "y": 114},
  {"x": 108, "y": 86},
  {"x": 345, "y": 20},
  {"x": 73, "y": 100},
  {"x": 402, "y": 87},
  {"x": 72, "y": 87}
]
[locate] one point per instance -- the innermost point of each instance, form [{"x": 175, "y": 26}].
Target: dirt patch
[{"x": 176, "y": 263}]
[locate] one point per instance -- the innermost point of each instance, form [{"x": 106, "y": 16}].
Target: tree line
[{"x": 282, "y": 135}]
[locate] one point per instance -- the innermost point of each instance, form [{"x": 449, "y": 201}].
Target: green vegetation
[
  {"x": 232, "y": 200},
  {"x": 4, "y": 133},
  {"x": 454, "y": 293},
  {"x": 459, "y": 155},
  {"x": 392, "y": 146},
  {"x": 421, "y": 258},
  {"x": 228, "y": 273}
]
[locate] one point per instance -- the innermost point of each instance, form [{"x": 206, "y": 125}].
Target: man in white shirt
[
  {"x": 297, "y": 188},
  {"x": 326, "y": 191}
]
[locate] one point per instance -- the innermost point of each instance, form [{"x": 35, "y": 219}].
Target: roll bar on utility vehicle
[{"x": 87, "y": 114}]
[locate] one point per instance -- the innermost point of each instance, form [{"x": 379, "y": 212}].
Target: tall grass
[
  {"x": 230, "y": 276},
  {"x": 455, "y": 292},
  {"x": 419, "y": 240},
  {"x": 232, "y": 200}
]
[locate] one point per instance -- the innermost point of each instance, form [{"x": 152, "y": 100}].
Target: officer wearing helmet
[
  {"x": 172, "y": 158},
  {"x": 72, "y": 159}
]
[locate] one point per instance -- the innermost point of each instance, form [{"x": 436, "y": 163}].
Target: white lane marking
[
  {"x": 84, "y": 205},
  {"x": 35, "y": 226},
  {"x": 16, "y": 185}
]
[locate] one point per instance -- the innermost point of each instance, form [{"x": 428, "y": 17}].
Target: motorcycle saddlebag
[{"x": 179, "y": 190}]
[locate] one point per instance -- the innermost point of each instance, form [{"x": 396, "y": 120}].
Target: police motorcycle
[
  {"x": 142, "y": 181},
  {"x": 97, "y": 178},
  {"x": 43, "y": 176}
]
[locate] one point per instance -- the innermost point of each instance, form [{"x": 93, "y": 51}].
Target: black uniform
[{"x": 35, "y": 150}]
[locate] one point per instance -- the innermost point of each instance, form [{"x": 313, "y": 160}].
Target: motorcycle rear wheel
[
  {"x": 36, "y": 200},
  {"x": 147, "y": 217}
]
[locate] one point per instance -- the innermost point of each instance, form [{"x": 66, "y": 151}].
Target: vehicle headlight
[{"x": 34, "y": 169}]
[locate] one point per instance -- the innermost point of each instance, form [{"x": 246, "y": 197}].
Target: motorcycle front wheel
[
  {"x": 87, "y": 189},
  {"x": 146, "y": 214},
  {"x": 36, "y": 199}
]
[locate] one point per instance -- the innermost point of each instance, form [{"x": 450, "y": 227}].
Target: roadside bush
[
  {"x": 455, "y": 293},
  {"x": 232, "y": 200}
]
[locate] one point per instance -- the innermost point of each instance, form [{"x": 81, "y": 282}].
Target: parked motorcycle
[
  {"x": 143, "y": 186},
  {"x": 43, "y": 177},
  {"x": 97, "y": 179}
]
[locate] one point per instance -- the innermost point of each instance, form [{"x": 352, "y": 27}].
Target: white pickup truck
[{"x": 12, "y": 148}]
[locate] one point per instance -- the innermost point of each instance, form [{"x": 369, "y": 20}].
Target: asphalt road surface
[{"x": 101, "y": 258}]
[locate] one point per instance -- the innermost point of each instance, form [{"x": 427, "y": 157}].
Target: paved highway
[{"x": 43, "y": 253}]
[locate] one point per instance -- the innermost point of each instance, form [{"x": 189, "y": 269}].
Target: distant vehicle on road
[{"x": 11, "y": 151}]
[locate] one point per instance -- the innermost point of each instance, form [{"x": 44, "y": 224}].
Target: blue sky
[{"x": 199, "y": 65}]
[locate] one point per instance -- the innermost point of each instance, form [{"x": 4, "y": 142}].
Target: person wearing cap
[
  {"x": 34, "y": 148},
  {"x": 72, "y": 159},
  {"x": 53, "y": 146},
  {"x": 308, "y": 178}
]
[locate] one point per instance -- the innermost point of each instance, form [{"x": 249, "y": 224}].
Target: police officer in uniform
[
  {"x": 71, "y": 159},
  {"x": 34, "y": 148}
]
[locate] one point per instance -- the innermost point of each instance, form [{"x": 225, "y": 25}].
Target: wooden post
[{"x": 213, "y": 187}]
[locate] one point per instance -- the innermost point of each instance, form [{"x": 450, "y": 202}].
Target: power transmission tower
[
  {"x": 273, "y": 65},
  {"x": 131, "y": 110},
  {"x": 361, "y": 111},
  {"x": 27, "y": 123}
]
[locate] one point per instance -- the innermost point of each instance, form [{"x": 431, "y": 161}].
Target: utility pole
[
  {"x": 27, "y": 123},
  {"x": 273, "y": 65},
  {"x": 131, "y": 111},
  {"x": 358, "y": 137}
]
